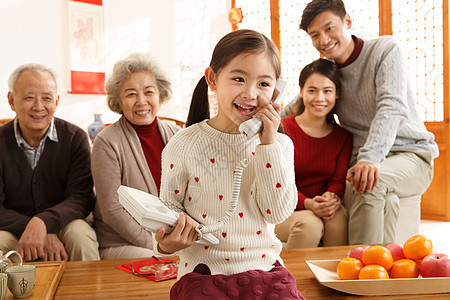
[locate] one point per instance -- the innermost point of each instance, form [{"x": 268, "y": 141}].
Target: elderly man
[
  {"x": 45, "y": 181},
  {"x": 393, "y": 152}
]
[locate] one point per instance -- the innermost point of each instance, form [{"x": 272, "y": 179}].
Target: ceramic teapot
[{"x": 5, "y": 258}]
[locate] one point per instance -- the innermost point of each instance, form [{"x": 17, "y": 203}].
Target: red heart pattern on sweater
[
  {"x": 220, "y": 197},
  {"x": 268, "y": 166},
  {"x": 196, "y": 179},
  {"x": 258, "y": 232},
  {"x": 242, "y": 249},
  {"x": 206, "y": 247},
  {"x": 278, "y": 185},
  {"x": 241, "y": 214},
  {"x": 204, "y": 216},
  {"x": 224, "y": 234},
  {"x": 171, "y": 166},
  {"x": 268, "y": 211},
  {"x": 190, "y": 198},
  {"x": 212, "y": 160},
  {"x": 177, "y": 191}
]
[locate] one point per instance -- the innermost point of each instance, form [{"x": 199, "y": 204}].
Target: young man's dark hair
[{"x": 316, "y": 7}]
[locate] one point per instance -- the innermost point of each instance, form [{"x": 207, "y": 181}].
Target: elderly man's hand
[
  {"x": 363, "y": 176},
  {"x": 33, "y": 239},
  {"x": 54, "y": 249}
]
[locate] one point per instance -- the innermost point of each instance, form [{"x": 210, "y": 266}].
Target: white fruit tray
[{"x": 325, "y": 273}]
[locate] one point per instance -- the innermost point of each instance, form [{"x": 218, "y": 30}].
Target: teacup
[
  {"x": 21, "y": 280},
  {"x": 3, "y": 281},
  {"x": 3, "y": 285}
]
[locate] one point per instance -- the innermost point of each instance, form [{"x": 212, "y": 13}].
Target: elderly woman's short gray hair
[
  {"x": 135, "y": 62},
  {"x": 31, "y": 66}
]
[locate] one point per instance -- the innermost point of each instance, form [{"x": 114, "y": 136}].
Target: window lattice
[
  {"x": 256, "y": 15},
  {"x": 418, "y": 26},
  {"x": 364, "y": 14},
  {"x": 296, "y": 47},
  {"x": 196, "y": 41}
]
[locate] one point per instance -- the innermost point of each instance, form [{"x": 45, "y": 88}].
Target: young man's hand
[{"x": 363, "y": 176}]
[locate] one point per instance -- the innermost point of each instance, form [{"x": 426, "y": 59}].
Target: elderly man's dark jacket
[{"x": 58, "y": 190}]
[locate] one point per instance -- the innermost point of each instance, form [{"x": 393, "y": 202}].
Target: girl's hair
[
  {"x": 136, "y": 62},
  {"x": 230, "y": 46},
  {"x": 327, "y": 68}
]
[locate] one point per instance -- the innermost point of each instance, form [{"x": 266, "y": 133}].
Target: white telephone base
[{"x": 153, "y": 213}]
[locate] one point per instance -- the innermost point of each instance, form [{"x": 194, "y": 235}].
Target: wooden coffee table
[{"x": 101, "y": 280}]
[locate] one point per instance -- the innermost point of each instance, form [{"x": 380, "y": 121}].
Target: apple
[
  {"x": 357, "y": 252},
  {"x": 435, "y": 265},
  {"x": 396, "y": 250}
]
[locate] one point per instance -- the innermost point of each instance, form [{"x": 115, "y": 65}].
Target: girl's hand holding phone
[
  {"x": 183, "y": 236},
  {"x": 270, "y": 117}
]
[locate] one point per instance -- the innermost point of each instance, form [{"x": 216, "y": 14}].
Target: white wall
[{"x": 180, "y": 33}]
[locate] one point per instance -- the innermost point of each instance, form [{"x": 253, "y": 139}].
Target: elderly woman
[{"x": 129, "y": 153}]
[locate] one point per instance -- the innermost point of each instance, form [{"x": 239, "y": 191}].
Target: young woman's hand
[
  {"x": 270, "y": 117},
  {"x": 322, "y": 206},
  {"x": 336, "y": 202},
  {"x": 183, "y": 236}
]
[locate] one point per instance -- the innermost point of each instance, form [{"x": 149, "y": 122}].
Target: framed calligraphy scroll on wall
[{"x": 87, "y": 55}]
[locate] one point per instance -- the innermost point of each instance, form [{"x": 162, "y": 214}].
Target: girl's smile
[{"x": 245, "y": 109}]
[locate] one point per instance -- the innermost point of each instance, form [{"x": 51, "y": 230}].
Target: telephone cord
[{"x": 237, "y": 178}]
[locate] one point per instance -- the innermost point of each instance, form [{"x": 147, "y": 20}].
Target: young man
[
  {"x": 45, "y": 179},
  {"x": 392, "y": 150}
]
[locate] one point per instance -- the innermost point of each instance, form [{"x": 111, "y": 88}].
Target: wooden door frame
[{"x": 436, "y": 200}]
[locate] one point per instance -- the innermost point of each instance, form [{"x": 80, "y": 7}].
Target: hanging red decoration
[{"x": 235, "y": 15}]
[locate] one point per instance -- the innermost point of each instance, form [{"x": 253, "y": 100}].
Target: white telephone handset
[{"x": 251, "y": 127}]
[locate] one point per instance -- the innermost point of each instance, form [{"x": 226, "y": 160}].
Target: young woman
[
  {"x": 322, "y": 154},
  {"x": 198, "y": 166}
]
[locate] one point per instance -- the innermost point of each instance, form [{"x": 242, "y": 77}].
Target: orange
[
  {"x": 373, "y": 272},
  {"x": 404, "y": 268},
  {"x": 417, "y": 247},
  {"x": 378, "y": 255},
  {"x": 348, "y": 268}
]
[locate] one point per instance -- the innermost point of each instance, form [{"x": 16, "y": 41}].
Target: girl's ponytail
[{"x": 199, "y": 109}]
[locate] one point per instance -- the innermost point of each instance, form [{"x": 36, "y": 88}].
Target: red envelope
[{"x": 155, "y": 269}]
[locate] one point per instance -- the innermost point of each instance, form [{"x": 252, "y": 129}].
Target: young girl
[
  {"x": 197, "y": 173},
  {"x": 322, "y": 154}
]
